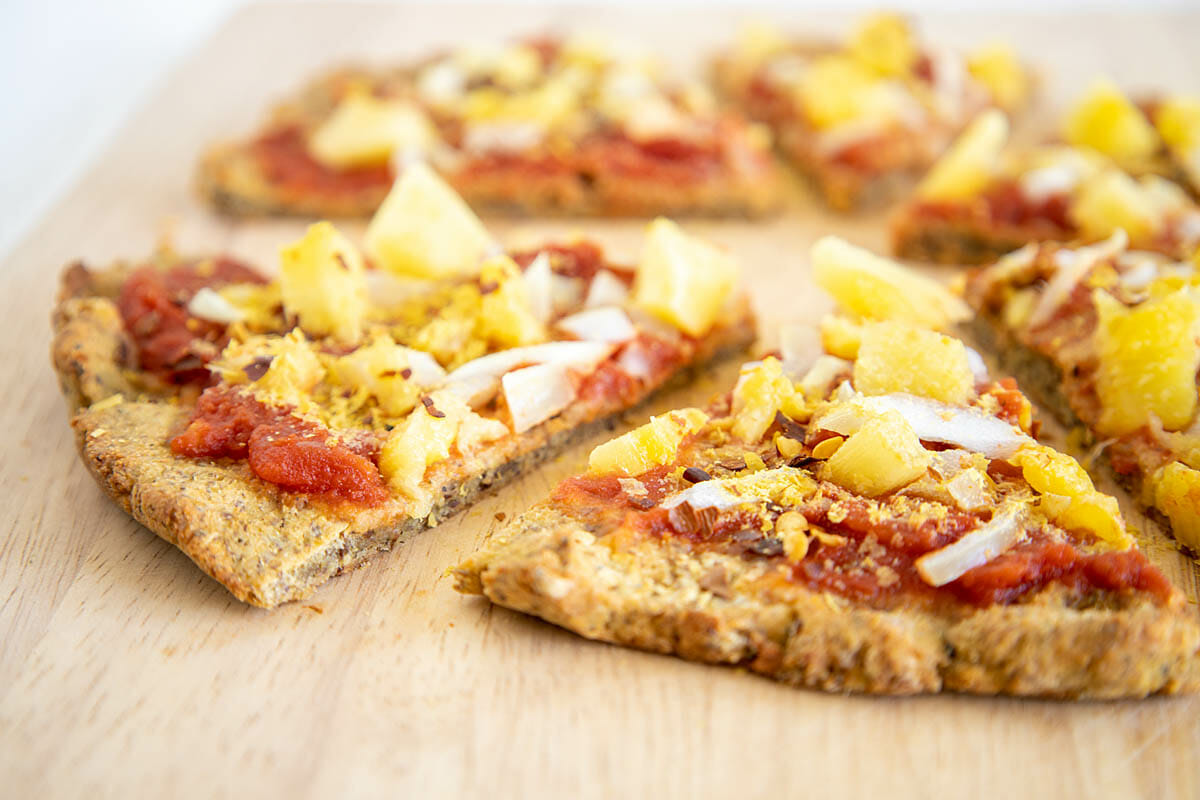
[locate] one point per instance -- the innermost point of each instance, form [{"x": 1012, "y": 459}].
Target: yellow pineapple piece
[
  {"x": 758, "y": 395},
  {"x": 1051, "y": 472},
  {"x": 1147, "y": 361},
  {"x": 834, "y": 89},
  {"x": 1176, "y": 489},
  {"x": 1114, "y": 200},
  {"x": 871, "y": 287},
  {"x": 293, "y": 372},
  {"x": 364, "y": 130},
  {"x": 969, "y": 165},
  {"x": 841, "y": 336},
  {"x": 998, "y": 68},
  {"x": 505, "y": 316},
  {"x": 425, "y": 229},
  {"x": 649, "y": 446},
  {"x": 1107, "y": 121},
  {"x": 323, "y": 285},
  {"x": 681, "y": 279},
  {"x": 757, "y": 41},
  {"x": 1178, "y": 122},
  {"x": 896, "y": 357},
  {"x": 883, "y": 455},
  {"x": 518, "y": 66},
  {"x": 382, "y": 370},
  {"x": 1098, "y": 513},
  {"x": 884, "y": 43}
]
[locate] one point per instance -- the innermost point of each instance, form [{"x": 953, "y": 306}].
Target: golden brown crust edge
[
  {"x": 267, "y": 548},
  {"x": 661, "y": 598}
]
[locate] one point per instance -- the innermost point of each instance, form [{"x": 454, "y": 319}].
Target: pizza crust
[
  {"x": 266, "y": 546},
  {"x": 716, "y": 608}
]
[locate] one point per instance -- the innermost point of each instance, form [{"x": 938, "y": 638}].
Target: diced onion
[
  {"x": 535, "y": 394},
  {"x": 539, "y": 288},
  {"x": 502, "y": 137},
  {"x": 822, "y": 374},
  {"x": 600, "y": 325},
  {"x": 635, "y": 361},
  {"x": 977, "y": 365},
  {"x": 606, "y": 290},
  {"x": 1041, "y": 184},
  {"x": 973, "y": 550},
  {"x": 208, "y": 304},
  {"x": 387, "y": 289},
  {"x": 799, "y": 347},
  {"x": 969, "y": 490},
  {"x": 426, "y": 371},
  {"x": 476, "y": 381},
  {"x": 965, "y": 427},
  {"x": 566, "y": 292},
  {"x": 1072, "y": 267}
]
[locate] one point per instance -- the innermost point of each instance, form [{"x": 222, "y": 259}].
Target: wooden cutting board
[{"x": 123, "y": 669}]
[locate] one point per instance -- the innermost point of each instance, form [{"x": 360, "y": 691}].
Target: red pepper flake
[
  {"x": 341, "y": 260},
  {"x": 501, "y": 516},
  {"x": 696, "y": 475},
  {"x": 427, "y": 401},
  {"x": 258, "y": 367},
  {"x": 487, "y": 287}
]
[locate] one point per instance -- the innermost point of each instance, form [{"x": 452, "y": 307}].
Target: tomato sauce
[
  {"x": 286, "y": 162},
  {"x": 294, "y": 454},
  {"x": 170, "y": 341},
  {"x": 868, "y": 551},
  {"x": 576, "y": 260}
]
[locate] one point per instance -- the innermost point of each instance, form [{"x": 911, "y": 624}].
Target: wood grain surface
[{"x": 124, "y": 671}]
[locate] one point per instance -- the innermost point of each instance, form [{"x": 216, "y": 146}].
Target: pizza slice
[
  {"x": 982, "y": 199},
  {"x": 282, "y": 431},
  {"x": 888, "y": 523},
  {"x": 570, "y": 126},
  {"x": 1106, "y": 336},
  {"x": 864, "y": 117}
]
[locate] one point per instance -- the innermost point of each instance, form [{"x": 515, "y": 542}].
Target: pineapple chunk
[
  {"x": 884, "y": 43},
  {"x": 365, "y": 130},
  {"x": 1178, "y": 122},
  {"x": 649, "y": 446},
  {"x": 1051, "y": 472},
  {"x": 1147, "y": 361},
  {"x": 323, "y": 284},
  {"x": 683, "y": 280},
  {"x": 505, "y": 317},
  {"x": 871, "y": 287},
  {"x": 294, "y": 371},
  {"x": 883, "y": 455},
  {"x": 519, "y": 66},
  {"x": 896, "y": 357},
  {"x": 424, "y": 229},
  {"x": 1113, "y": 200},
  {"x": 757, "y": 41},
  {"x": 1107, "y": 121},
  {"x": 998, "y": 68},
  {"x": 835, "y": 89},
  {"x": 969, "y": 165},
  {"x": 758, "y": 395},
  {"x": 424, "y": 439},
  {"x": 1177, "y": 494},
  {"x": 841, "y": 336},
  {"x": 382, "y": 370}
]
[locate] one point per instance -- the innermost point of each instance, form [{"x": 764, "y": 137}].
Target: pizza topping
[
  {"x": 364, "y": 130},
  {"x": 997, "y": 67},
  {"x": 604, "y": 324},
  {"x": 895, "y": 357},
  {"x": 975, "y": 549},
  {"x": 506, "y": 317},
  {"x": 653, "y": 444},
  {"x": 606, "y": 289},
  {"x": 209, "y": 305},
  {"x": 871, "y": 287},
  {"x": 322, "y": 284},
  {"x": 968, "y": 166},
  {"x": 681, "y": 279},
  {"x": 534, "y": 394},
  {"x": 538, "y": 280},
  {"x": 1105, "y": 120},
  {"x": 880, "y": 457},
  {"x": 1071, "y": 268},
  {"x": 424, "y": 229},
  {"x": 478, "y": 380},
  {"x": 762, "y": 391}
]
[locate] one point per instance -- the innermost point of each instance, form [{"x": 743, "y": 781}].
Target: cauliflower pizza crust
[
  {"x": 279, "y": 432},
  {"x": 886, "y": 523},
  {"x": 541, "y": 126}
]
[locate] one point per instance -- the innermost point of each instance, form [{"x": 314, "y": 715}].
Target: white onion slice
[
  {"x": 606, "y": 290},
  {"x": 502, "y": 137},
  {"x": 969, "y": 490},
  {"x": 1043, "y": 183},
  {"x": 634, "y": 361},
  {"x": 822, "y": 374},
  {"x": 426, "y": 371},
  {"x": 973, "y": 550},
  {"x": 208, "y": 304},
  {"x": 799, "y": 348},
  {"x": 1072, "y": 266},
  {"x": 539, "y": 288},
  {"x": 535, "y": 394},
  {"x": 566, "y": 292},
  {"x": 476, "y": 381},
  {"x": 607, "y": 324},
  {"x": 977, "y": 365},
  {"x": 388, "y": 289},
  {"x": 965, "y": 427}
]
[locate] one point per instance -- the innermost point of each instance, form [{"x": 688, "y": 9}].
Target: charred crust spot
[{"x": 767, "y": 547}]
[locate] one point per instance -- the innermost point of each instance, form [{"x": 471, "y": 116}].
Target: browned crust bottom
[
  {"x": 267, "y": 547},
  {"x": 662, "y": 597},
  {"x": 946, "y": 242},
  {"x": 230, "y": 179}
]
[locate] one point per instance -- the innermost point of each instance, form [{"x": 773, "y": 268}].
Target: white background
[{"x": 71, "y": 71}]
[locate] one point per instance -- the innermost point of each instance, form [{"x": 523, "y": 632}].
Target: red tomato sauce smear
[
  {"x": 286, "y": 162},
  {"x": 280, "y": 448},
  {"x": 171, "y": 342},
  {"x": 867, "y": 556}
]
